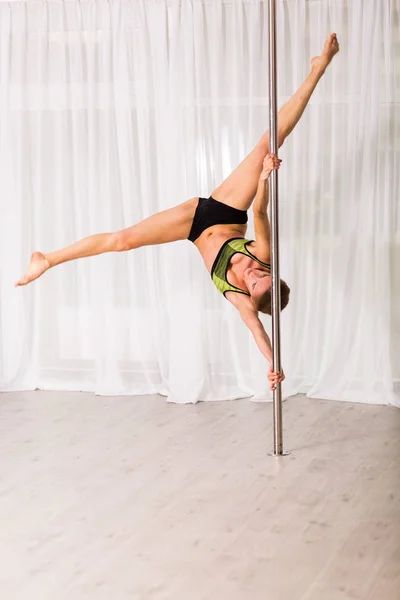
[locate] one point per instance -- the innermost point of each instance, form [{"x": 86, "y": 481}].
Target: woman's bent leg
[
  {"x": 163, "y": 227},
  {"x": 239, "y": 189}
]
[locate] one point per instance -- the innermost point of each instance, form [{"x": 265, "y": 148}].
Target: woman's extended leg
[
  {"x": 239, "y": 189},
  {"x": 163, "y": 227}
]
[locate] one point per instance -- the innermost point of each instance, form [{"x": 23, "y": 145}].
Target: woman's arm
[
  {"x": 256, "y": 327},
  {"x": 250, "y": 318},
  {"x": 261, "y": 199},
  {"x": 260, "y": 209}
]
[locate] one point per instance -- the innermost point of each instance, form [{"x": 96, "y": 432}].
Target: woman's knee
[{"x": 122, "y": 241}]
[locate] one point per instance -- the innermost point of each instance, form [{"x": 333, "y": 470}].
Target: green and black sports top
[{"x": 221, "y": 264}]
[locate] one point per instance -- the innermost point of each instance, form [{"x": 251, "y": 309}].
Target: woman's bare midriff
[{"x": 211, "y": 240}]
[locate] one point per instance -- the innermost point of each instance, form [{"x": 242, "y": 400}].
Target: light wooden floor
[{"x": 132, "y": 498}]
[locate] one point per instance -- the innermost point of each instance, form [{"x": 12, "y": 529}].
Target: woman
[{"x": 217, "y": 225}]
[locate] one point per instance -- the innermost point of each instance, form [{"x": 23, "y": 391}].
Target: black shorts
[{"x": 211, "y": 212}]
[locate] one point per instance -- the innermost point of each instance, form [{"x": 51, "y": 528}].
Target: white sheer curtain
[{"x": 112, "y": 110}]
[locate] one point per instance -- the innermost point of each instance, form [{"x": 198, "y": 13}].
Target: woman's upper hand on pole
[
  {"x": 275, "y": 378},
  {"x": 271, "y": 163}
]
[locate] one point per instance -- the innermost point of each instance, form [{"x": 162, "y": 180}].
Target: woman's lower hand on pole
[{"x": 275, "y": 378}]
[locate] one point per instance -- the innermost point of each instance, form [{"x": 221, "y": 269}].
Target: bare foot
[
  {"x": 331, "y": 48},
  {"x": 38, "y": 265}
]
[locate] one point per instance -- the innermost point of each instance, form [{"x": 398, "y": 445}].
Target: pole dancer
[{"x": 240, "y": 268}]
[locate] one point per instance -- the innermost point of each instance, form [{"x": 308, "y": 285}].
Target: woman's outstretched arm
[{"x": 251, "y": 319}]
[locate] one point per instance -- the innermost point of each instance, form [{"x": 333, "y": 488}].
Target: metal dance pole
[{"x": 273, "y": 192}]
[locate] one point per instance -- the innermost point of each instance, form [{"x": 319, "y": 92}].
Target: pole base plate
[{"x": 284, "y": 453}]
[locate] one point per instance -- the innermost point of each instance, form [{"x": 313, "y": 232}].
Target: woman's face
[{"x": 257, "y": 280}]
